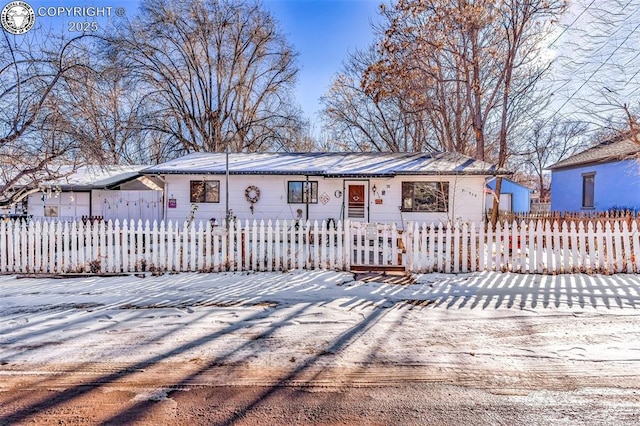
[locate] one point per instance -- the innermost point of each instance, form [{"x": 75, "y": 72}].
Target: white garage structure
[{"x": 107, "y": 192}]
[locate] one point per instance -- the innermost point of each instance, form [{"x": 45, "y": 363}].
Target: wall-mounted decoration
[
  {"x": 173, "y": 203},
  {"x": 324, "y": 198},
  {"x": 252, "y": 194},
  {"x": 338, "y": 193},
  {"x": 51, "y": 211}
]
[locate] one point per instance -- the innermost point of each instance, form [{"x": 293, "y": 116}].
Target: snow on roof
[
  {"x": 342, "y": 164},
  {"x": 94, "y": 176},
  {"x": 614, "y": 149}
]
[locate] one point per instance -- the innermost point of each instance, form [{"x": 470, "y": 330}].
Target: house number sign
[{"x": 371, "y": 232}]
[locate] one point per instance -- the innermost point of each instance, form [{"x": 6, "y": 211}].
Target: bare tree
[
  {"x": 597, "y": 72},
  {"x": 472, "y": 61},
  {"x": 365, "y": 124},
  {"x": 31, "y": 148},
  {"x": 548, "y": 143},
  {"x": 216, "y": 72},
  {"x": 106, "y": 114},
  {"x": 623, "y": 119}
]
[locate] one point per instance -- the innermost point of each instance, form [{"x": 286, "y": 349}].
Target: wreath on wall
[{"x": 252, "y": 194}]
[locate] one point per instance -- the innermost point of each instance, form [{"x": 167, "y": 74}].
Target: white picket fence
[{"x": 106, "y": 247}]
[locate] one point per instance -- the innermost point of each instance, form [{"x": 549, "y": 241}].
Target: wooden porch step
[
  {"x": 399, "y": 278},
  {"x": 377, "y": 268}
]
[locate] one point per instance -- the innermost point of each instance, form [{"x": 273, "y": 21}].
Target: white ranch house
[{"x": 367, "y": 187}]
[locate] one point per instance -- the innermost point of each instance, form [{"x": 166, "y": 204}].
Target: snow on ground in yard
[{"x": 267, "y": 319}]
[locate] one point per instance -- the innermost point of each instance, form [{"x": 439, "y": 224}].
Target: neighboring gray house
[
  {"x": 367, "y": 187},
  {"x": 603, "y": 177}
]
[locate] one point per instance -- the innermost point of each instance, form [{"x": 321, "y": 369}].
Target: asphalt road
[{"x": 174, "y": 394}]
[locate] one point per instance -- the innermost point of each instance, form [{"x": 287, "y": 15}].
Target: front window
[
  {"x": 588, "y": 186},
  {"x": 299, "y": 192},
  {"x": 205, "y": 191},
  {"x": 425, "y": 196}
]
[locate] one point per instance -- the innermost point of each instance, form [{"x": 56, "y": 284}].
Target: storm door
[{"x": 356, "y": 201}]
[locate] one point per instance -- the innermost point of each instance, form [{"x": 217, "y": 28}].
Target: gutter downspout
[
  {"x": 165, "y": 205},
  {"x": 308, "y": 194}
]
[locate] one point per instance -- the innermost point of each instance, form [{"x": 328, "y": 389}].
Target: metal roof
[
  {"x": 95, "y": 177},
  {"x": 328, "y": 164},
  {"x": 614, "y": 149}
]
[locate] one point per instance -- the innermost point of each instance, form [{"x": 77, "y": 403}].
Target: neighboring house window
[
  {"x": 51, "y": 211},
  {"x": 205, "y": 191},
  {"x": 425, "y": 196},
  {"x": 302, "y": 192},
  {"x": 588, "y": 185}
]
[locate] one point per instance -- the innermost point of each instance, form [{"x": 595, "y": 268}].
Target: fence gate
[{"x": 376, "y": 246}]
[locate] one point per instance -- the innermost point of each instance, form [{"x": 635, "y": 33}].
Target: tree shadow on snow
[{"x": 139, "y": 308}]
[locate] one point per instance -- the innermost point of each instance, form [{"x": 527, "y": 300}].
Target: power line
[
  {"x": 596, "y": 71},
  {"x": 572, "y": 23},
  {"x": 600, "y": 47}
]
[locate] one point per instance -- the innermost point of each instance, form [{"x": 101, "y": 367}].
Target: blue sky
[{"x": 323, "y": 32}]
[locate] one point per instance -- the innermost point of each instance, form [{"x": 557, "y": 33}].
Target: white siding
[
  {"x": 271, "y": 205},
  {"x": 506, "y": 204},
  {"x": 70, "y": 205},
  {"x": 466, "y": 198},
  {"x": 112, "y": 204},
  {"x": 127, "y": 205}
]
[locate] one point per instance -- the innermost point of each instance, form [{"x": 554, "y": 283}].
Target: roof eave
[
  {"x": 231, "y": 172},
  {"x": 559, "y": 166},
  {"x": 458, "y": 173}
]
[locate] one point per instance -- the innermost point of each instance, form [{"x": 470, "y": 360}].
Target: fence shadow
[{"x": 529, "y": 291}]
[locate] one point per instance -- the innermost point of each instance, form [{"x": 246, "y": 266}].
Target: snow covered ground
[
  {"x": 185, "y": 316},
  {"x": 515, "y": 333}
]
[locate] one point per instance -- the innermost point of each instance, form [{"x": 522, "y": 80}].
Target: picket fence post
[
  {"x": 592, "y": 248},
  {"x": 635, "y": 244},
  {"x": 340, "y": 236},
  {"x": 626, "y": 240},
  {"x": 617, "y": 244}
]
